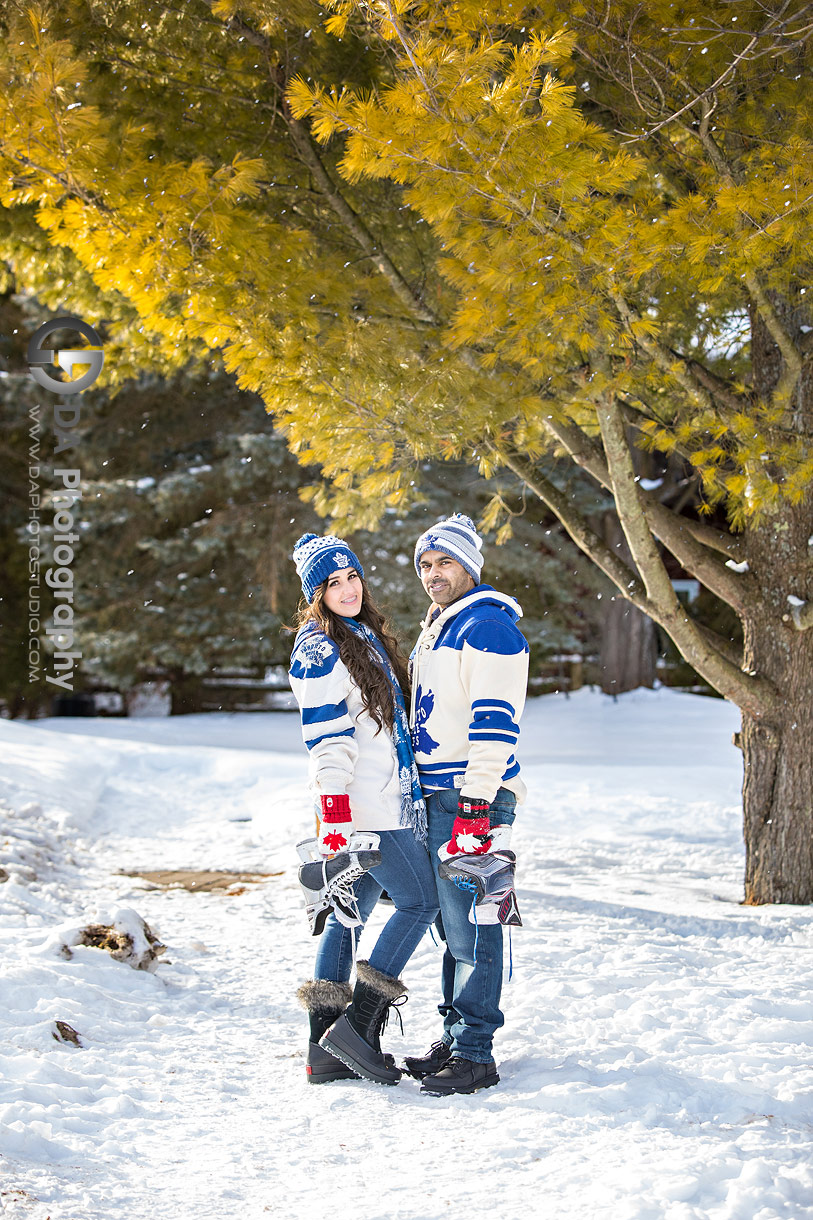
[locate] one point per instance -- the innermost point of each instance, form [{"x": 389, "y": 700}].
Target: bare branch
[
  {"x": 755, "y": 695},
  {"x": 722, "y": 645},
  {"x": 692, "y": 539},
  {"x": 309, "y": 155},
  {"x": 353, "y": 223},
  {"x": 622, "y": 576},
  {"x": 802, "y": 616},
  {"x": 711, "y": 654},
  {"x": 675, "y": 533},
  {"x": 631, "y": 509},
  {"x": 716, "y": 540},
  {"x": 790, "y": 353},
  {"x": 774, "y": 21},
  {"x": 719, "y": 389},
  {"x": 661, "y": 354}
]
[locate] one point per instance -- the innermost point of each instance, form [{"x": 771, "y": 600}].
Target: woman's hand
[{"x": 336, "y": 824}]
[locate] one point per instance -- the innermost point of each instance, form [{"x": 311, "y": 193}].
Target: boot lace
[
  {"x": 458, "y": 1065},
  {"x": 396, "y": 1004}
]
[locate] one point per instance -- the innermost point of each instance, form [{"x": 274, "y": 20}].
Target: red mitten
[
  {"x": 336, "y": 825},
  {"x": 470, "y": 832}
]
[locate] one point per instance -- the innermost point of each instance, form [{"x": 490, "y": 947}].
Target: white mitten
[{"x": 500, "y": 837}]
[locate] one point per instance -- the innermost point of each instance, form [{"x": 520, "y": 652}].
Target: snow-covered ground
[{"x": 656, "y": 1060}]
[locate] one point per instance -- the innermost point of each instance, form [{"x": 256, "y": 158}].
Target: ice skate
[
  {"x": 327, "y": 883},
  {"x": 490, "y": 878}
]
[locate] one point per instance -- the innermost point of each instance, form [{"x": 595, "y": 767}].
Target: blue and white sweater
[
  {"x": 469, "y": 679},
  {"x": 345, "y": 753}
]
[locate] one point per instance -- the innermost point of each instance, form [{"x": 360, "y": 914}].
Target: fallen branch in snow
[{"x": 127, "y": 938}]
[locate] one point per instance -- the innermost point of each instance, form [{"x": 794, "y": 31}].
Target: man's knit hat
[
  {"x": 456, "y": 536},
  {"x": 317, "y": 558}
]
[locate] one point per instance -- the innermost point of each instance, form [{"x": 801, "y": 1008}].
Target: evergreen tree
[
  {"x": 478, "y": 231},
  {"x": 192, "y": 512},
  {"x": 623, "y": 204},
  {"x": 193, "y": 506}
]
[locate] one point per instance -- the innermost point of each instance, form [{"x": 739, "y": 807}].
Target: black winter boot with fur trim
[
  {"x": 356, "y": 1036},
  {"x": 324, "y": 1001}
]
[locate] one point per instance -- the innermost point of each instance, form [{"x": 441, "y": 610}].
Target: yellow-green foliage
[
  {"x": 522, "y": 135},
  {"x": 572, "y": 218}
]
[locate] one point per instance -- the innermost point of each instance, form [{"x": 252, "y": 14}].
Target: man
[{"x": 469, "y": 678}]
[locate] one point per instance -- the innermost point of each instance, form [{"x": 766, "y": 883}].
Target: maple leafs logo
[
  {"x": 335, "y": 841},
  {"x": 314, "y": 650},
  {"x": 422, "y": 742}
]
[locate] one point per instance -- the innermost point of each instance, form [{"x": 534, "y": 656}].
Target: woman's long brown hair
[{"x": 364, "y": 669}]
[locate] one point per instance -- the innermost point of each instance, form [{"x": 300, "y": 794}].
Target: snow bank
[{"x": 655, "y": 1060}]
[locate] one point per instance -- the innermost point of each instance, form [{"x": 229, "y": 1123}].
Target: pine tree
[
  {"x": 192, "y": 509},
  {"x": 477, "y": 231},
  {"x": 623, "y": 202}
]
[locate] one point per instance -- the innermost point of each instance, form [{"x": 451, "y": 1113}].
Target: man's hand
[
  {"x": 336, "y": 824},
  {"x": 470, "y": 833}
]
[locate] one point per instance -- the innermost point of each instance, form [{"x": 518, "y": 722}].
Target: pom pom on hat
[
  {"x": 455, "y": 536},
  {"x": 305, "y": 538}
]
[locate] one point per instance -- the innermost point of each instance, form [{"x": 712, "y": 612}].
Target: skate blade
[
  {"x": 508, "y": 911},
  {"x": 359, "y": 840}
]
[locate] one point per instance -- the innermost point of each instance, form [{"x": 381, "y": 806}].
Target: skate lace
[
  {"x": 341, "y": 893},
  {"x": 465, "y": 883}
]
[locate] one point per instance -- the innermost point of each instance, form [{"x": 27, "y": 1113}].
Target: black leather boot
[
  {"x": 460, "y": 1076},
  {"x": 356, "y": 1036},
  {"x": 424, "y": 1065},
  {"x": 324, "y": 1001}
]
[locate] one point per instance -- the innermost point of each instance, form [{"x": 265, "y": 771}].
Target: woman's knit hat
[
  {"x": 456, "y": 536},
  {"x": 317, "y": 558}
]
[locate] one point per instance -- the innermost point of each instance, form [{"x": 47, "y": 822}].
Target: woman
[{"x": 349, "y": 680}]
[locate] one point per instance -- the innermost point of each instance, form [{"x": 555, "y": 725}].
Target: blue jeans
[
  {"x": 406, "y": 874},
  {"x": 471, "y": 990}
]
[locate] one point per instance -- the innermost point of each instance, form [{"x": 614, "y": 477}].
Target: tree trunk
[
  {"x": 186, "y": 692},
  {"x": 629, "y": 648},
  {"x": 778, "y": 756}
]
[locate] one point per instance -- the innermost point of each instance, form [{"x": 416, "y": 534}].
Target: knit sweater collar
[{"x": 481, "y": 594}]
